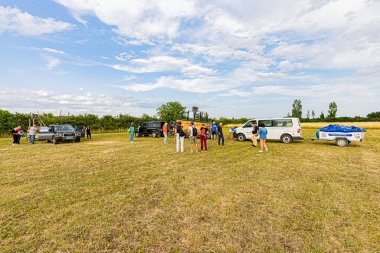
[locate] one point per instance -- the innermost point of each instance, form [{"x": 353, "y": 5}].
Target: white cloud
[
  {"x": 44, "y": 100},
  {"x": 52, "y": 51},
  {"x": 52, "y": 63},
  {"x": 140, "y": 20},
  {"x": 124, "y": 56},
  {"x": 163, "y": 64},
  {"x": 14, "y": 20}
]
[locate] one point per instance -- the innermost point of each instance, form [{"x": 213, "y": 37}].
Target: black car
[
  {"x": 150, "y": 128},
  {"x": 59, "y": 133}
]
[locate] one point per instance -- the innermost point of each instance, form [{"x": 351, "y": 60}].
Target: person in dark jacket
[
  {"x": 219, "y": 130},
  {"x": 255, "y": 134},
  {"x": 88, "y": 132}
]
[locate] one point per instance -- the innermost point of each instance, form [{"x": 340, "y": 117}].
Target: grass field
[{"x": 108, "y": 195}]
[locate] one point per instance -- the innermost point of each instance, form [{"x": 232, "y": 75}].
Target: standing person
[
  {"x": 88, "y": 132},
  {"x": 165, "y": 132},
  {"x": 263, "y": 137},
  {"x": 131, "y": 132},
  {"x": 255, "y": 134},
  {"x": 83, "y": 132},
  {"x": 193, "y": 133},
  {"x": 20, "y": 134},
  {"x": 180, "y": 137},
  {"x": 32, "y": 134},
  {"x": 203, "y": 138},
  {"x": 15, "y": 136},
  {"x": 219, "y": 130},
  {"x": 213, "y": 131}
]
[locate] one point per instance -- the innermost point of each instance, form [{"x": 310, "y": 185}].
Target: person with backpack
[
  {"x": 219, "y": 130},
  {"x": 203, "y": 137},
  {"x": 263, "y": 137},
  {"x": 180, "y": 137},
  {"x": 255, "y": 134},
  {"x": 193, "y": 133}
]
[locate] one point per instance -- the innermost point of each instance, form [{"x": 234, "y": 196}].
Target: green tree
[
  {"x": 374, "y": 115},
  {"x": 322, "y": 116},
  {"x": 313, "y": 114},
  {"x": 333, "y": 108},
  {"x": 308, "y": 114},
  {"x": 171, "y": 111},
  {"x": 297, "y": 108}
]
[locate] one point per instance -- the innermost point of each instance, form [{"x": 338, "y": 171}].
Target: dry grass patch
[{"x": 108, "y": 195}]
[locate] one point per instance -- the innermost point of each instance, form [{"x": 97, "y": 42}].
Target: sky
[{"x": 230, "y": 58}]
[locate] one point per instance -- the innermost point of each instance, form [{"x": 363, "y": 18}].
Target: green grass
[{"x": 108, "y": 195}]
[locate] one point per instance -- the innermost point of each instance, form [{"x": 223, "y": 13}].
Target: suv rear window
[{"x": 283, "y": 122}]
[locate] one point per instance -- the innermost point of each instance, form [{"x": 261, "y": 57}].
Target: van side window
[
  {"x": 267, "y": 123},
  {"x": 283, "y": 123}
]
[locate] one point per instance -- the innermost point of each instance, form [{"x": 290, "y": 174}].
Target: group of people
[
  {"x": 258, "y": 132},
  {"x": 17, "y": 133},
  {"x": 86, "y": 130}
]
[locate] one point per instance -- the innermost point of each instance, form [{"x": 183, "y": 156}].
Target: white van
[{"x": 283, "y": 129}]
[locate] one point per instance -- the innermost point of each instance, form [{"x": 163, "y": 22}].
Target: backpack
[
  {"x": 195, "y": 131},
  {"x": 180, "y": 131}
]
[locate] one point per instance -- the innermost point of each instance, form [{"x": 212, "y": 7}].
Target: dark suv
[
  {"x": 150, "y": 128},
  {"x": 59, "y": 133}
]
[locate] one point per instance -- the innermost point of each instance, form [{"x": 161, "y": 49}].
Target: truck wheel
[
  {"x": 240, "y": 137},
  {"x": 77, "y": 140},
  {"x": 342, "y": 142},
  {"x": 54, "y": 140},
  {"x": 286, "y": 138},
  {"x": 154, "y": 134}
]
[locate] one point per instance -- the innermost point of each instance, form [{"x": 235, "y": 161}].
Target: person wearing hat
[
  {"x": 213, "y": 131},
  {"x": 131, "y": 132}
]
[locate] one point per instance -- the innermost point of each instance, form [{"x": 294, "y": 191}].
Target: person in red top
[
  {"x": 165, "y": 132},
  {"x": 204, "y": 138}
]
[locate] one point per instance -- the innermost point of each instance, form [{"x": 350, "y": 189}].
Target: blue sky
[{"x": 231, "y": 58}]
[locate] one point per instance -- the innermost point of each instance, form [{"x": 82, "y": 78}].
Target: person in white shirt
[{"x": 32, "y": 134}]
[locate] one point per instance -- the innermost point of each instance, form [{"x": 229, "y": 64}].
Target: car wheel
[
  {"x": 286, "y": 138},
  {"x": 240, "y": 137},
  {"x": 77, "y": 140},
  {"x": 54, "y": 140},
  {"x": 342, "y": 142}
]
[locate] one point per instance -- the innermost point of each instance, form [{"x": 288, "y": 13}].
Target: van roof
[{"x": 274, "y": 118}]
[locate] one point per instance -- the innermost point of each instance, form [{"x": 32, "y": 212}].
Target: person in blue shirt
[
  {"x": 263, "y": 132},
  {"x": 213, "y": 131}
]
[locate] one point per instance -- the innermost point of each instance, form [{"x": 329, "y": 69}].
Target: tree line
[
  {"x": 331, "y": 115},
  {"x": 168, "y": 112}
]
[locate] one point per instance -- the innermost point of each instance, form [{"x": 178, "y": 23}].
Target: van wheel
[
  {"x": 240, "y": 137},
  {"x": 286, "y": 138},
  {"x": 342, "y": 142}
]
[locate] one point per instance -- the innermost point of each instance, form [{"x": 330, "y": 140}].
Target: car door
[
  {"x": 268, "y": 123},
  {"x": 281, "y": 126},
  {"x": 247, "y": 129}
]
